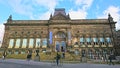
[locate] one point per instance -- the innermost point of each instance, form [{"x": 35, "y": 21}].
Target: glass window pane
[
  {"x": 101, "y": 39},
  {"x": 31, "y": 43},
  {"x": 82, "y": 39},
  {"x": 108, "y": 39},
  {"x": 88, "y": 39},
  {"x": 60, "y": 35},
  {"x": 24, "y": 44},
  {"x": 95, "y": 40},
  {"x": 38, "y": 43},
  {"x": 44, "y": 42},
  {"x": 17, "y": 45},
  {"x": 11, "y": 43}
]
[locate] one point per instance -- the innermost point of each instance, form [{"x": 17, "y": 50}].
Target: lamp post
[{"x": 111, "y": 22}]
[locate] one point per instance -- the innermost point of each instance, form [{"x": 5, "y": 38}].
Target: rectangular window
[
  {"x": 95, "y": 40},
  {"x": 108, "y": 39},
  {"x": 82, "y": 39},
  {"x": 38, "y": 42},
  {"x": 11, "y": 43},
  {"x": 88, "y": 41},
  {"x": 31, "y": 43},
  {"x": 17, "y": 45},
  {"x": 101, "y": 39},
  {"x": 44, "y": 42},
  {"x": 24, "y": 44}
]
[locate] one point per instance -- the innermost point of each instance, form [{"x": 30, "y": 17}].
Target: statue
[
  {"x": 10, "y": 18},
  {"x": 110, "y": 18}
]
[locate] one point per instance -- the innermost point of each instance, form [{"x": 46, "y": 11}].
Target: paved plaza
[{"x": 14, "y": 63}]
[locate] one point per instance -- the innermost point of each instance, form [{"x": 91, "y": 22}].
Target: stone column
[
  {"x": 34, "y": 45},
  {"x": 27, "y": 43},
  {"x": 14, "y": 43},
  {"x": 21, "y": 41}
]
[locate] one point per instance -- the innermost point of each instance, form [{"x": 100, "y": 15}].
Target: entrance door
[
  {"x": 57, "y": 46},
  {"x": 63, "y": 46},
  {"x": 60, "y": 46}
]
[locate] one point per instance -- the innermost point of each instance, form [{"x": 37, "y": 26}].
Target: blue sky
[{"x": 41, "y": 10}]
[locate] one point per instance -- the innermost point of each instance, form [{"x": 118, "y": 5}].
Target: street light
[{"x": 110, "y": 19}]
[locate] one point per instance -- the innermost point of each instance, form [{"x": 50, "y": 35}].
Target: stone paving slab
[{"x": 34, "y": 64}]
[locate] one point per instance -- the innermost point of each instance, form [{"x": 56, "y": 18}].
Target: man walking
[{"x": 57, "y": 58}]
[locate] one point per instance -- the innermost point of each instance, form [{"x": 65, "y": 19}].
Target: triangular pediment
[{"x": 60, "y": 17}]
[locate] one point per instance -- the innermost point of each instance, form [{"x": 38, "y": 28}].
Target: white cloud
[
  {"x": 115, "y": 13},
  {"x": 45, "y": 16},
  {"x": 31, "y": 8},
  {"x": 79, "y": 14},
  {"x": 84, "y": 3},
  {"x": 1, "y": 31},
  {"x": 50, "y": 4},
  {"x": 21, "y": 7}
]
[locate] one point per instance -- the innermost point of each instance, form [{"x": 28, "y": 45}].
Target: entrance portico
[{"x": 60, "y": 41}]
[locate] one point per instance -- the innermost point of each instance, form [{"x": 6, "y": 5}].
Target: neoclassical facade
[{"x": 87, "y": 37}]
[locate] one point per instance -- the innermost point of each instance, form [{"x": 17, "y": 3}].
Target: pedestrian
[
  {"x": 63, "y": 55},
  {"x": 4, "y": 56},
  {"x": 110, "y": 59},
  {"x": 57, "y": 58},
  {"x": 29, "y": 57}
]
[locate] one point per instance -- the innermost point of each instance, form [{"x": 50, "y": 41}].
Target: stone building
[
  {"x": 117, "y": 42},
  {"x": 90, "y": 38}
]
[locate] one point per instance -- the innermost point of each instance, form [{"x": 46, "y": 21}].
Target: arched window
[{"x": 60, "y": 35}]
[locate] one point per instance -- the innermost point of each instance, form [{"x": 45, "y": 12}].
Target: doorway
[
  {"x": 60, "y": 46},
  {"x": 60, "y": 41}
]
